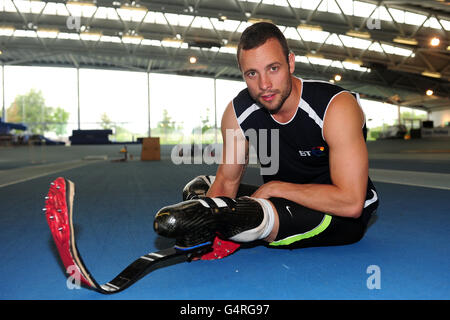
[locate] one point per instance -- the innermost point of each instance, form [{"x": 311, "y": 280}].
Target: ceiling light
[
  {"x": 7, "y": 30},
  {"x": 429, "y": 92},
  {"x": 81, "y": 3},
  {"x": 309, "y": 27},
  {"x": 133, "y": 39},
  {"x": 358, "y": 34},
  {"x": 133, "y": 7},
  {"x": 337, "y": 77},
  {"x": 47, "y": 33},
  {"x": 410, "y": 41},
  {"x": 111, "y": 39},
  {"x": 354, "y": 64},
  {"x": 172, "y": 40},
  {"x": 435, "y": 41},
  {"x": 256, "y": 20},
  {"x": 90, "y": 36},
  {"x": 192, "y": 60},
  {"x": 354, "y": 61},
  {"x": 315, "y": 55},
  {"x": 431, "y": 74}
]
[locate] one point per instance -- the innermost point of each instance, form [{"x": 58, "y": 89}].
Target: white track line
[
  {"x": 412, "y": 178},
  {"x": 29, "y": 173}
]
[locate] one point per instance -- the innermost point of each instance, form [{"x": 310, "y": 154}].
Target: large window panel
[
  {"x": 182, "y": 108},
  {"x": 379, "y": 116},
  {"x": 43, "y": 98},
  {"x": 115, "y": 100},
  {"x": 226, "y": 91}
]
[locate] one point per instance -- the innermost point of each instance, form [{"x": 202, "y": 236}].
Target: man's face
[{"x": 268, "y": 74}]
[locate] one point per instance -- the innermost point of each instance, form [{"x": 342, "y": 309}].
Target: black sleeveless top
[{"x": 303, "y": 151}]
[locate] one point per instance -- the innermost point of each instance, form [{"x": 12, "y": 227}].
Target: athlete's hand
[{"x": 267, "y": 190}]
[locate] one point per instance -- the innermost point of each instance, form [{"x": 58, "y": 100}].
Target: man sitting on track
[{"x": 321, "y": 194}]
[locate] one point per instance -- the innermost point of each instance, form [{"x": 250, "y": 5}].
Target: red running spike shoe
[{"x": 58, "y": 210}]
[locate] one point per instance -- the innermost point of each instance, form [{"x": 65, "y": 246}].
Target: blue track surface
[{"x": 114, "y": 208}]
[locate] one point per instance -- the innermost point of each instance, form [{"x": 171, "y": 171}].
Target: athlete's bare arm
[
  {"x": 348, "y": 165},
  {"x": 234, "y": 157}
]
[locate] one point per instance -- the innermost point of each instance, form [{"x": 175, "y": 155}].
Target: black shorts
[{"x": 302, "y": 227}]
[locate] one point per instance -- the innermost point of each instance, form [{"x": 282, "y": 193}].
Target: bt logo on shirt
[{"x": 315, "y": 151}]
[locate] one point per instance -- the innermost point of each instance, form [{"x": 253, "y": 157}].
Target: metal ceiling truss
[{"x": 390, "y": 72}]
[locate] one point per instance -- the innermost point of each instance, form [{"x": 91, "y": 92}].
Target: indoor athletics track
[{"x": 406, "y": 248}]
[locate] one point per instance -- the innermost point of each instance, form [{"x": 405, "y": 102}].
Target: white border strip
[
  {"x": 46, "y": 170},
  {"x": 311, "y": 113},
  {"x": 412, "y": 178},
  {"x": 244, "y": 115}
]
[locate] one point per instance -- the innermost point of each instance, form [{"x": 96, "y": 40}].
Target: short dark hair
[{"x": 257, "y": 34}]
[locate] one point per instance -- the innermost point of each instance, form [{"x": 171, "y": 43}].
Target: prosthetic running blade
[{"x": 59, "y": 213}]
